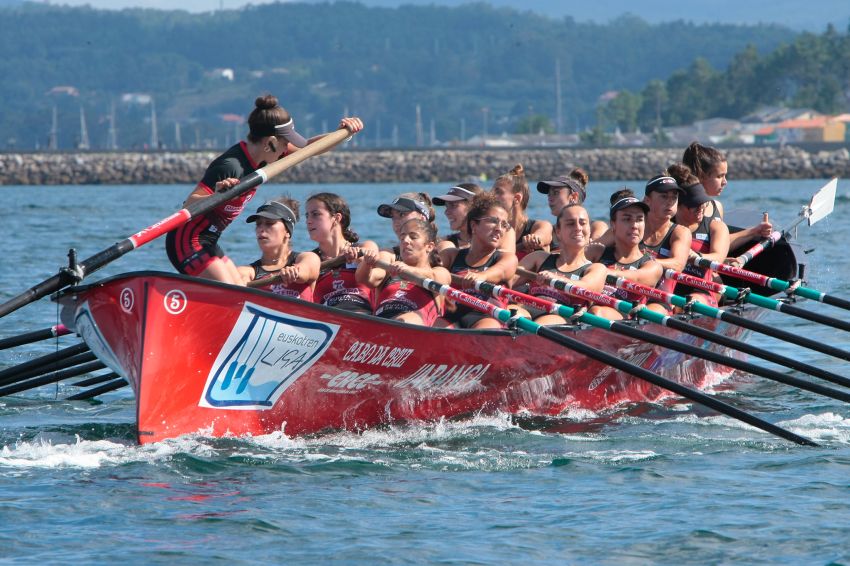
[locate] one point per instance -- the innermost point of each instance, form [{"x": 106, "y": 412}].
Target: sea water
[{"x": 668, "y": 484}]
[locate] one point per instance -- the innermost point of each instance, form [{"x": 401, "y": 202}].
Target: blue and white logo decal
[{"x": 265, "y": 353}]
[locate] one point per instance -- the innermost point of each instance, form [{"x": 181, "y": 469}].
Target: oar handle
[{"x": 276, "y": 278}]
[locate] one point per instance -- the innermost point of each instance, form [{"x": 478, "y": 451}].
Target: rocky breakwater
[{"x": 433, "y": 165}]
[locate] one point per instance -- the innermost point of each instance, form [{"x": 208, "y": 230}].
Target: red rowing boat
[{"x": 211, "y": 358}]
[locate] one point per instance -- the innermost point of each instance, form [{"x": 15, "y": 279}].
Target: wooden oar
[
  {"x": 276, "y": 278},
  {"x": 627, "y": 307},
  {"x": 746, "y": 296},
  {"x": 773, "y": 283},
  {"x": 820, "y": 205},
  {"x": 603, "y": 357},
  {"x": 34, "y": 336},
  {"x": 626, "y": 330},
  {"x": 707, "y": 310},
  {"x": 76, "y": 272}
]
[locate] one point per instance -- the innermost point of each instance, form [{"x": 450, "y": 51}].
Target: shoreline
[{"x": 417, "y": 165}]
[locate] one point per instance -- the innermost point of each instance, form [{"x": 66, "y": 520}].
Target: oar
[
  {"x": 276, "y": 278},
  {"x": 773, "y": 283},
  {"x": 820, "y": 205},
  {"x": 34, "y": 336},
  {"x": 626, "y": 307},
  {"x": 95, "y": 391},
  {"x": 43, "y": 361},
  {"x": 745, "y": 295},
  {"x": 608, "y": 359},
  {"x": 707, "y": 310},
  {"x": 76, "y": 272},
  {"x": 53, "y": 377},
  {"x": 96, "y": 380}
]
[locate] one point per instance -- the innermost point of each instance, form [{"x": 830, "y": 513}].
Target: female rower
[
  {"x": 483, "y": 260},
  {"x": 457, "y": 201},
  {"x": 665, "y": 240},
  {"x": 408, "y": 206},
  {"x": 710, "y": 167},
  {"x": 573, "y": 231},
  {"x": 398, "y": 298},
  {"x": 329, "y": 225},
  {"x": 511, "y": 189},
  {"x": 624, "y": 258},
  {"x": 569, "y": 189},
  {"x": 193, "y": 247},
  {"x": 710, "y": 237},
  {"x": 275, "y": 221}
]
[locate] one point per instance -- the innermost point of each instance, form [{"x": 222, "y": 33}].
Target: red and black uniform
[
  {"x": 295, "y": 290},
  {"x": 397, "y": 296},
  {"x": 339, "y": 288},
  {"x": 464, "y": 316},
  {"x": 700, "y": 243},
  {"x": 608, "y": 261},
  {"x": 552, "y": 294},
  {"x": 661, "y": 251},
  {"x": 194, "y": 246}
]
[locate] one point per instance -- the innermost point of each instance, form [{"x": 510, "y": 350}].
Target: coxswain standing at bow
[
  {"x": 710, "y": 236},
  {"x": 665, "y": 240},
  {"x": 275, "y": 221},
  {"x": 573, "y": 231},
  {"x": 397, "y": 298},
  {"x": 193, "y": 248},
  {"x": 624, "y": 258},
  {"x": 329, "y": 225},
  {"x": 483, "y": 260},
  {"x": 511, "y": 189}
]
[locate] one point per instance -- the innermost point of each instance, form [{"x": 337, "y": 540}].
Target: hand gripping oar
[
  {"x": 34, "y": 336},
  {"x": 76, "y": 272},
  {"x": 745, "y": 295},
  {"x": 707, "y": 310},
  {"x": 773, "y": 283},
  {"x": 819, "y": 206},
  {"x": 642, "y": 312},
  {"x": 609, "y": 359}
]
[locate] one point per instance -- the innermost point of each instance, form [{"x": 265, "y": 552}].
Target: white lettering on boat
[
  {"x": 349, "y": 382},
  {"x": 377, "y": 355},
  {"x": 445, "y": 378},
  {"x": 265, "y": 353}
]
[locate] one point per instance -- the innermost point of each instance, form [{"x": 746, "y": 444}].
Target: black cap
[
  {"x": 662, "y": 184},
  {"x": 275, "y": 211},
  {"x": 453, "y": 195},
  {"x": 560, "y": 182},
  {"x": 284, "y": 131},
  {"x": 693, "y": 196},
  {"x": 403, "y": 204},
  {"x": 627, "y": 202}
]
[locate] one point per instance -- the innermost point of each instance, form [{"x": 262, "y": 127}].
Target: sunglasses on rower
[{"x": 493, "y": 221}]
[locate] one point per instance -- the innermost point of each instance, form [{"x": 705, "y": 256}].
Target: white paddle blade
[{"x": 823, "y": 202}]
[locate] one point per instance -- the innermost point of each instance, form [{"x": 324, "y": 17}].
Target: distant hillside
[{"x": 468, "y": 68}]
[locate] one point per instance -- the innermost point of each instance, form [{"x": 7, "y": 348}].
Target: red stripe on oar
[
  {"x": 695, "y": 282},
  {"x": 650, "y": 292},
  {"x": 738, "y": 272},
  {"x": 162, "y": 227},
  {"x": 472, "y": 301}
]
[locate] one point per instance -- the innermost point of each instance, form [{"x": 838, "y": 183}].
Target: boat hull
[{"x": 216, "y": 359}]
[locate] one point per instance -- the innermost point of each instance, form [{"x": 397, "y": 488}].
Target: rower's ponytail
[{"x": 702, "y": 159}]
